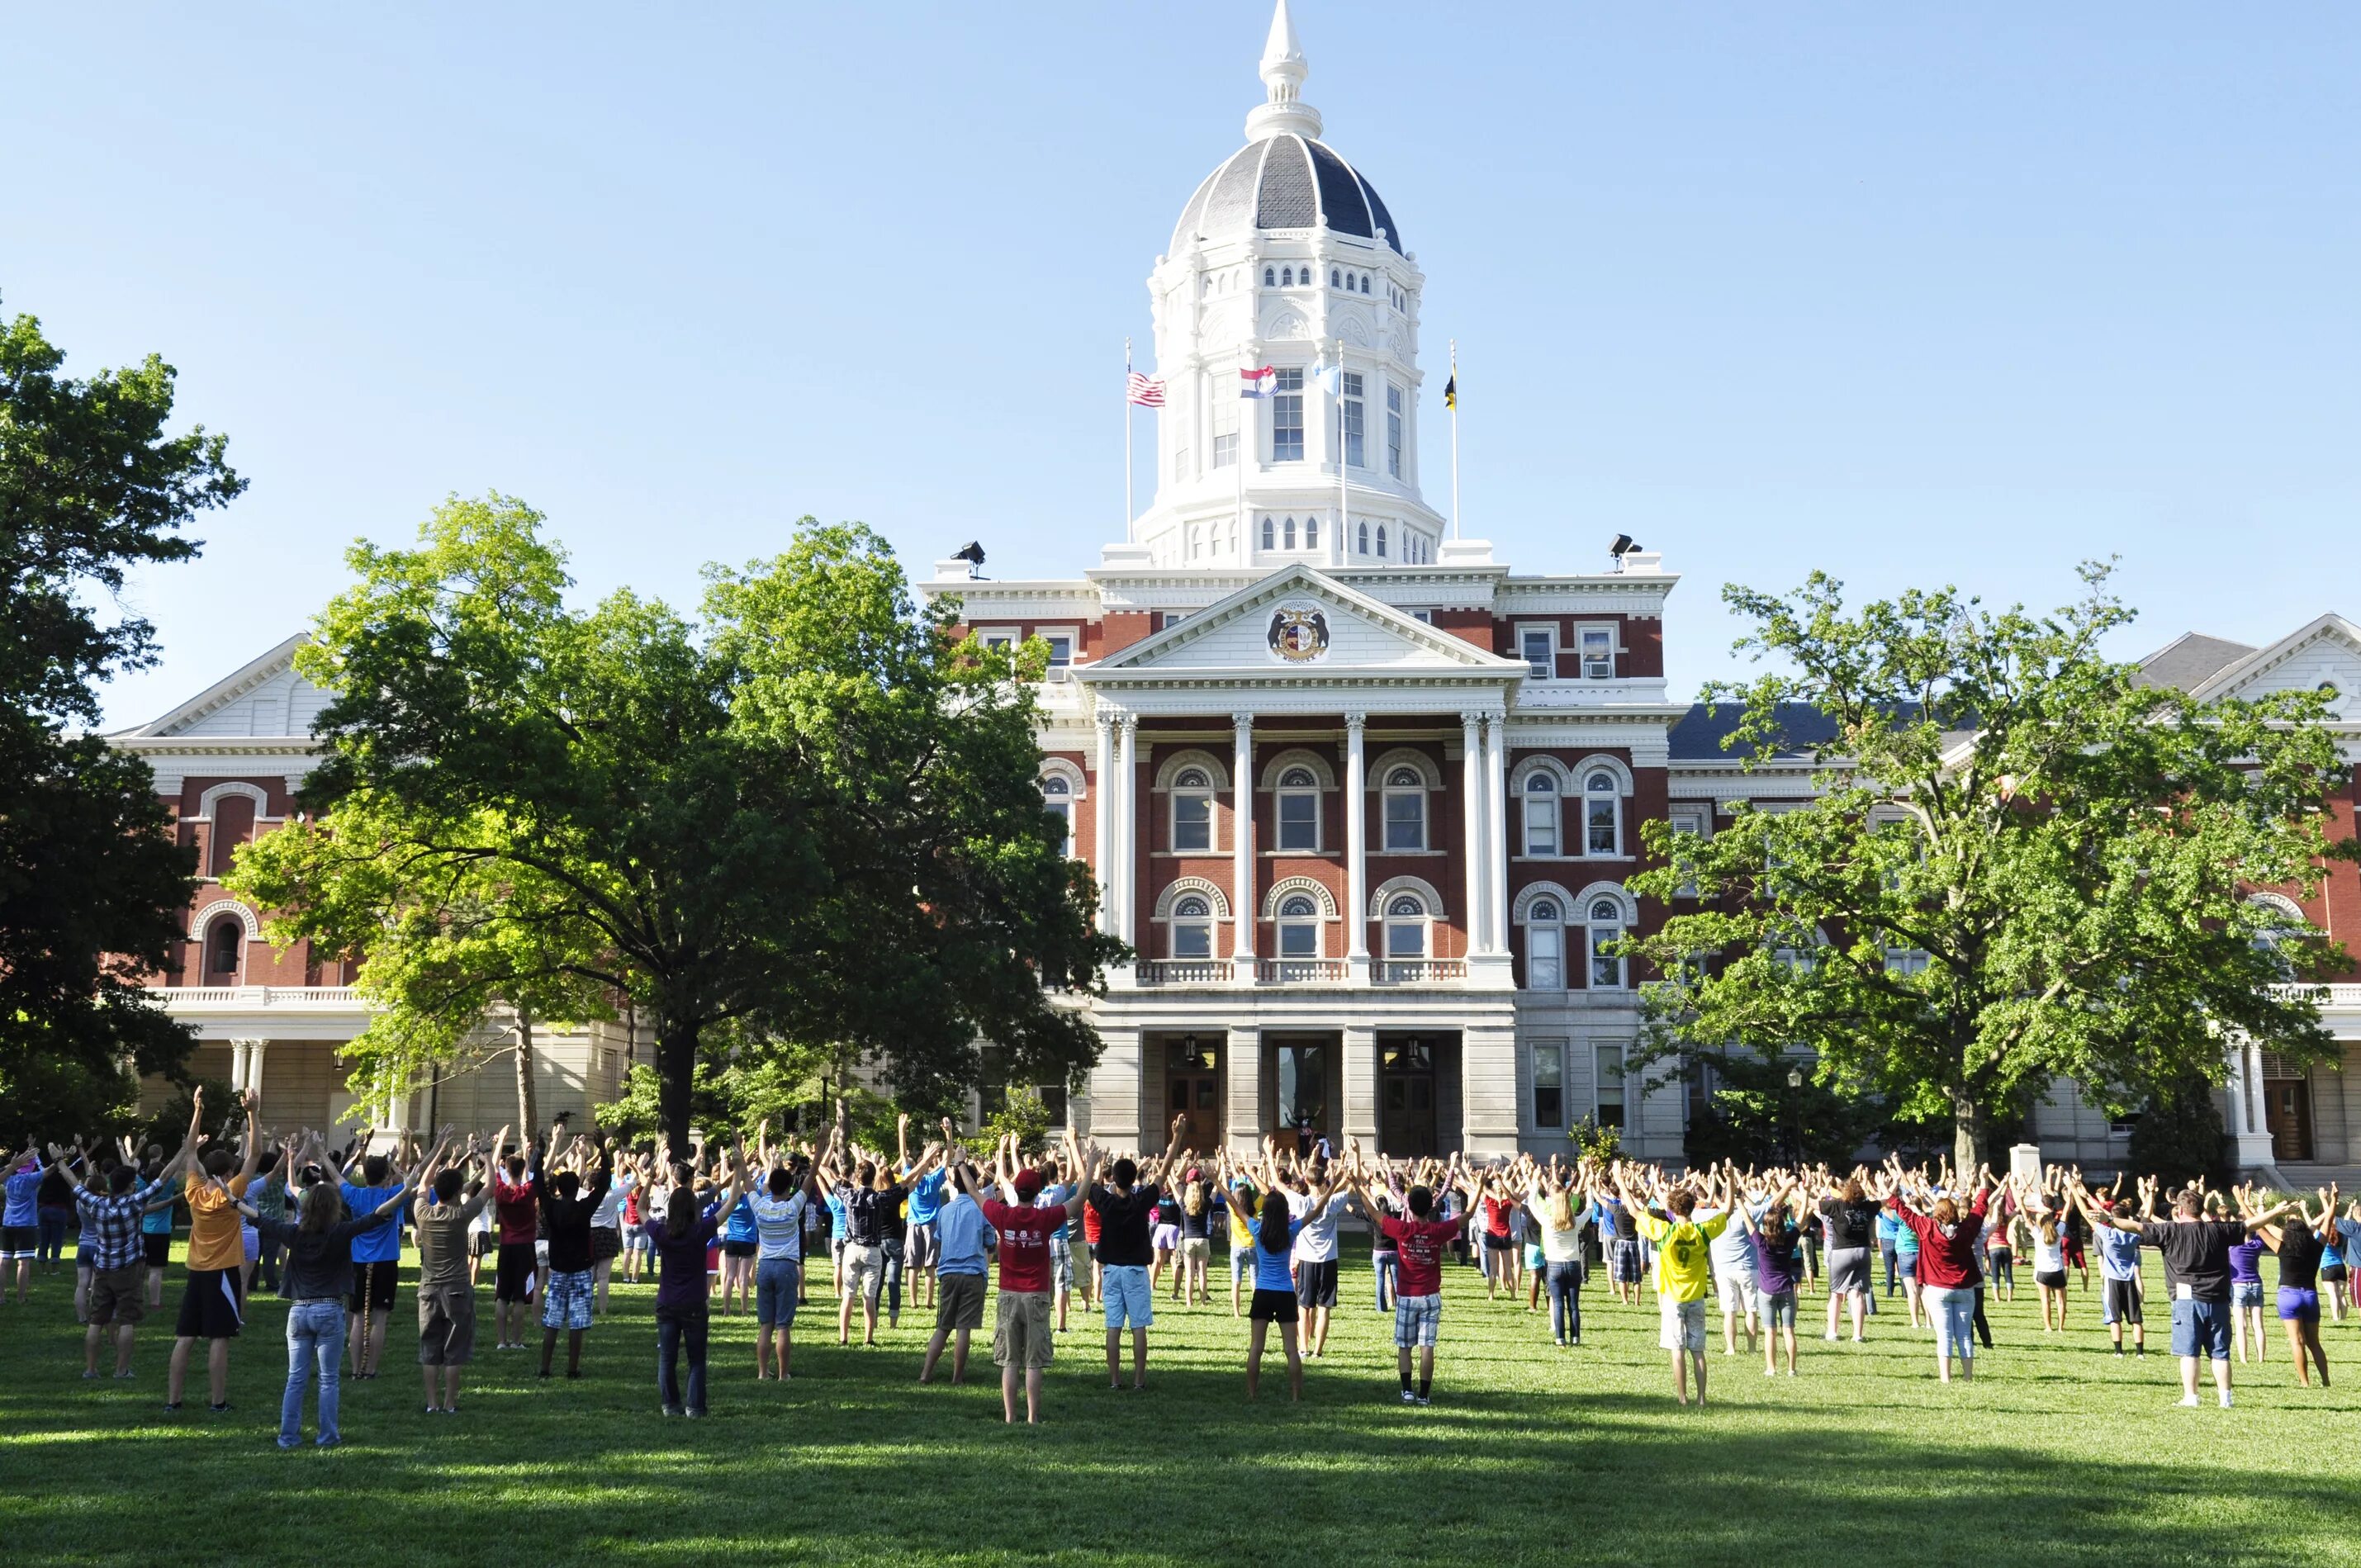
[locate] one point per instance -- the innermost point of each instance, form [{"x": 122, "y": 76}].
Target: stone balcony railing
[
  {"x": 245, "y": 998},
  {"x": 1150, "y": 972}
]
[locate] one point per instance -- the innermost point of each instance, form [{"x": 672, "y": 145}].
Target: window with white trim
[
  {"x": 1286, "y": 534},
  {"x": 1192, "y": 810},
  {"x": 1407, "y": 918},
  {"x": 1059, "y": 795},
  {"x": 1608, "y": 1104},
  {"x": 1404, "y": 799},
  {"x": 1270, "y": 533},
  {"x": 1537, "y": 645},
  {"x": 1287, "y": 417},
  {"x": 1062, "y": 651},
  {"x": 1598, "y": 646},
  {"x": 224, "y": 948},
  {"x": 1603, "y": 925},
  {"x": 1540, "y": 813},
  {"x": 1312, "y": 533},
  {"x": 1192, "y": 927},
  {"x": 1364, "y": 537},
  {"x": 1298, "y": 927},
  {"x": 1349, "y": 415},
  {"x": 1549, "y": 1085},
  {"x": 1602, "y": 814},
  {"x": 1545, "y": 946},
  {"x": 1393, "y": 430},
  {"x": 1381, "y": 541},
  {"x": 1299, "y": 810},
  {"x": 1690, "y": 822},
  {"x": 1226, "y": 430}
]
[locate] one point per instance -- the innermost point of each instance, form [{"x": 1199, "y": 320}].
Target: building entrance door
[
  {"x": 2287, "y": 1111},
  {"x": 1192, "y": 1090},
  {"x": 1406, "y": 1098}
]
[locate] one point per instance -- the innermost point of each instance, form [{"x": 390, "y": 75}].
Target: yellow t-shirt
[
  {"x": 214, "y": 1222},
  {"x": 1684, "y": 1272}
]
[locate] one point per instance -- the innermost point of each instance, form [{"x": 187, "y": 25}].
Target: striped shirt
[{"x": 111, "y": 1223}]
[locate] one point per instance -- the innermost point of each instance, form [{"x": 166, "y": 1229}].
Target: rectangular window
[
  {"x": 1405, "y": 820},
  {"x": 1549, "y": 1085},
  {"x": 1226, "y": 432},
  {"x": 1608, "y": 1061},
  {"x": 1061, "y": 649},
  {"x": 1540, "y": 823},
  {"x": 1405, "y": 938},
  {"x": 1193, "y": 822},
  {"x": 1192, "y": 940},
  {"x": 1599, "y": 813},
  {"x": 1298, "y": 820},
  {"x": 1539, "y": 646},
  {"x": 1348, "y": 411},
  {"x": 1597, "y": 653},
  {"x": 1298, "y": 939},
  {"x": 1287, "y": 418},
  {"x": 1303, "y": 1086},
  {"x": 1693, "y": 822},
  {"x": 1393, "y": 430},
  {"x": 1544, "y": 957},
  {"x": 999, "y": 637}
]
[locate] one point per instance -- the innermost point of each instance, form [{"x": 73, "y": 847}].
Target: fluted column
[
  {"x": 1102, "y": 823},
  {"x": 1471, "y": 747},
  {"x": 1241, "y": 899},
  {"x": 237, "y": 1049},
  {"x": 1496, "y": 837},
  {"x": 1356, "y": 847},
  {"x": 1126, "y": 848}
]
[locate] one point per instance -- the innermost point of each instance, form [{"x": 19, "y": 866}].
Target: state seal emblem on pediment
[{"x": 1299, "y": 633}]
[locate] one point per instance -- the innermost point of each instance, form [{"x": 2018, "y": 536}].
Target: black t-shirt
[
  {"x": 865, "y": 1210},
  {"x": 1850, "y": 1224},
  {"x": 2300, "y": 1253},
  {"x": 1627, "y": 1227},
  {"x": 56, "y": 1190},
  {"x": 1198, "y": 1226},
  {"x": 2196, "y": 1253},
  {"x": 1124, "y": 1221}
]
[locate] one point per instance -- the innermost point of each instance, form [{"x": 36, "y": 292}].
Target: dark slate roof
[
  {"x": 2190, "y": 660},
  {"x": 1285, "y": 181},
  {"x": 1696, "y": 735}
]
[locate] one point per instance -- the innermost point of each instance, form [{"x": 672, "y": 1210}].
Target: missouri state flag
[{"x": 1257, "y": 382}]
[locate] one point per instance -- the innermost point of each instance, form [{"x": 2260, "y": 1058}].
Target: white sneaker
[
  {"x": 1831, "y": 1336},
  {"x": 2189, "y": 1400},
  {"x": 2225, "y": 1398}
]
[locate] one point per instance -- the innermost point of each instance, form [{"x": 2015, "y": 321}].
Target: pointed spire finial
[{"x": 1283, "y": 71}]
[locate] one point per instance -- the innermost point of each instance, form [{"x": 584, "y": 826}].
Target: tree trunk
[
  {"x": 1968, "y": 1134},
  {"x": 528, "y": 1123},
  {"x": 677, "y": 1082}
]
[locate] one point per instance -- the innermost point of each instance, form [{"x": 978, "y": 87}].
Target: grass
[{"x": 2056, "y": 1454}]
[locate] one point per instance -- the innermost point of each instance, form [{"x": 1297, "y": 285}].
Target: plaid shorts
[
  {"x": 567, "y": 1305},
  {"x": 1415, "y": 1320}
]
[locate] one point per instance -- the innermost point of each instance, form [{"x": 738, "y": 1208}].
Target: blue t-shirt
[
  {"x": 2118, "y": 1254},
  {"x": 1054, "y": 1196},
  {"x": 740, "y": 1225},
  {"x": 381, "y": 1243},
  {"x": 24, "y": 1189},
  {"x": 835, "y": 1217},
  {"x": 963, "y": 1230},
  {"x": 160, "y": 1221},
  {"x": 927, "y": 1196},
  {"x": 1271, "y": 1269}
]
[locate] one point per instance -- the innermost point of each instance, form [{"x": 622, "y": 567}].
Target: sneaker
[
  {"x": 218, "y": 1409},
  {"x": 1831, "y": 1336},
  {"x": 1408, "y": 1397},
  {"x": 696, "y": 1415},
  {"x": 2225, "y": 1398},
  {"x": 672, "y": 1409},
  {"x": 172, "y": 1404},
  {"x": 1422, "y": 1398},
  {"x": 327, "y": 1442},
  {"x": 2188, "y": 1401}
]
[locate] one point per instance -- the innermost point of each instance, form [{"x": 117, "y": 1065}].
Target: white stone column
[
  {"x": 1360, "y": 1078},
  {"x": 1471, "y": 745},
  {"x": 1356, "y": 848},
  {"x": 1102, "y": 820},
  {"x": 1242, "y": 1086},
  {"x": 1496, "y": 837},
  {"x": 2237, "y": 1054},
  {"x": 1115, "y": 1090},
  {"x": 255, "y": 1053},
  {"x": 1242, "y": 877},
  {"x": 1127, "y": 847},
  {"x": 2257, "y": 1120},
  {"x": 237, "y": 1051}
]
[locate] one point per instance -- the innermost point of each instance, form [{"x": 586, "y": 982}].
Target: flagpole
[
  {"x": 1454, "y": 440},
  {"x": 1126, "y": 441},
  {"x": 1343, "y": 506},
  {"x": 1239, "y": 462}
]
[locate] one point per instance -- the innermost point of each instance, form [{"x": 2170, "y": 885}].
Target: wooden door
[
  {"x": 1197, "y": 1096},
  {"x": 2287, "y": 1111},
  {"x": 1406, "y": 1125}
]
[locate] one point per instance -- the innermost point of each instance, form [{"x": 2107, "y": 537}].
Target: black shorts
[
  {"x": 2334, "y": 1273},
  {"x": 482, "y": 1241},
  {"x": 2050, "y": 1281},
  {"x": 158, "y": 1248},
  {"x": 212, "y": 1307},
  {"x": 606, "y": 1242},
  {"x": 2120, "y": 1300},
  {"x": 737, "y": 1249},
  {"x": 1272, "y": 1305},
  {"x": 513, "y": 1279},
  {"x": 1498, "y": 1244},
  {"x": 373, "y": 1286},
  {"x": 1315, "y": 1283}
]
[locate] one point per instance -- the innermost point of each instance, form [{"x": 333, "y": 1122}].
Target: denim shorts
[
  {"x": 2202, "y": 1328},
  {"x": 777, "y": 1282},
  {"x": 1126, "y": 1298},
  {"x": 2246, "y": 1292}
]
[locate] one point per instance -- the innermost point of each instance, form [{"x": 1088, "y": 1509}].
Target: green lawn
[{"x": 2057, "y": 1453}]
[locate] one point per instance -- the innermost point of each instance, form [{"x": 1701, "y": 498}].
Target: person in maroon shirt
[
  {"x": 1948, "y": 1268},
  {"x": 1418, "y": 1272},
  {"x": 1020, "y": 1334},
  {"x": 519, "y": 1213}
]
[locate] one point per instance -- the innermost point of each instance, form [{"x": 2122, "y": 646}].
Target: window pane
[
  {"x": 1299, "y": 821},
  {"x": 1298, "y": 940},
  {"x": 1406, "y": 939},
  {"x": 1061, "y": 649},
  {"x": 1303, "y": 1085},
  {"x": 1541, "y": 826},
  {"x": 1601, "y": 816},
  {"x": 1549, "y": 1084},
  {"x": 1287, "y": 418},
  {"x": 1193, "y": 822},
  {"x": 1192, "y": 941},
  {"x": 1406, "y": 820},
  {"x": 1544, "y": 946},
  {"x": 1609, "y": 1069},
  {"x": 1539, "y": 655}
]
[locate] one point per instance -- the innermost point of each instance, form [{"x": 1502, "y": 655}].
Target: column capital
[
  {"x": 1471, "y": 719},
  {"x": 1104, "y": 719},
  {"x": 1242, "y": 720},
  {"x": 1355, "y": 722},
  {"x": 1498, "y": 719},
  {"x": 1130, "y": 724}
]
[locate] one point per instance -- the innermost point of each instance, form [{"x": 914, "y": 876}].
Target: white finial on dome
[{"x": 1283, "y": 71}]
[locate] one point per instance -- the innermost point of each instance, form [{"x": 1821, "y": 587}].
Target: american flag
[{"x": 1148, "y": 392}]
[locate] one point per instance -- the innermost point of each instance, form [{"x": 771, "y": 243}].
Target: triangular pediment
[
  {"x": 1298, "y": 620},
  {"x": 2325, "y": 653},
  {"x": 264, "y": 697}
]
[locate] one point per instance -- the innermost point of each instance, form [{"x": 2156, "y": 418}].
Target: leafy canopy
[{"x": 2023, "y": 862}]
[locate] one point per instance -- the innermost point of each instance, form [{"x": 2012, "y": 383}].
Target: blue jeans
[
  {"x": 778, "y": 1284},
  {"x": 1564, "y": 1282},
  {"x": 893, "y": 1250},
  {"x": 52, "y": 1243},
  {"x": 315, "y": 1339},
  {"x": 1387, "y": 1262},
  {"x": 1885, "y": 1250},
  {"x": 676, "y": 1332}
]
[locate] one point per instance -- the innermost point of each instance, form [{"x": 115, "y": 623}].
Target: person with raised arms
[
  {"x": 1948, "y": 1270},
  {"x": 1419, "y": 1239},
  {"x": 443, "y": 1218},
  {"x": 1022, "y": 1341},
  {"x": 212, "y": 1306},
  {"x": 2197, "y": 1269},
  {"x": 961, "y": 1264},
  {"x": 116, "y": 1295},
  {"x": 1777, "y": 1243},
  {"x": 778, "y": 1203},
  {"x": 681, "y": 1235},
  {"x": 1853, "y": 1223},
  {"x": 1684, "y": 1269},
  {"x": 2301, "y": 1241},
  {"x": 1274, "y": 1227},
  {"x": 567, "y": 1208}
]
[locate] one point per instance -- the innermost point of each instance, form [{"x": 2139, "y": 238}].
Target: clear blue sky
[{"x": 1919, "y": 295}]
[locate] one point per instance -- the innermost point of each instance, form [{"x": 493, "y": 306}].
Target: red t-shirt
[
  {"x": 520, "y": 1215},
  {"x": 1090, "y": 1224},
  {"x": 1496, "y": 1214},
  {"x": 1419, "y": 1270},
  {"x": 1024, "y": 1242}
]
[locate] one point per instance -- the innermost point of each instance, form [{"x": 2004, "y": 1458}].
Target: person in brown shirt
[
  {"x": 212, "y": 1306},
  {"x": 446, "y": 1291}
]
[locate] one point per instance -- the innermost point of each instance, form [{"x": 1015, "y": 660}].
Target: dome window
[
  {"x": 1270, "y": 535},
  {"x": 1312, "y": 533},
  {"x": 1269, "y": 278},
  {"x": 1381, "y": 541}
]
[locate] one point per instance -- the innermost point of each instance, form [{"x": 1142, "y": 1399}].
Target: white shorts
[
  {"x": 1740, "y": 1292},
  {"x": 1681, "y": 1325}
]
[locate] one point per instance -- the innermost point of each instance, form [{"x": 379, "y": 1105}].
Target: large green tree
[
  {"x": 2024, "y": 864},
  {"x": 813, "y": 810},
  {"x": 93, "y": 887}
]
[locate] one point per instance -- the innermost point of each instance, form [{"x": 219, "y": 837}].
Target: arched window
[
  {"x": 1602, "y": 814},
  {"x": 224, "y": 948},
  {"x": 1287, "y": 276},
  {"x": 1192, "y": 927},
  {"x": 1192, "y": 810},
  {"x": 1312, "y": 533},
  {"x": 1270, "y": 535},
  {"x": 1299, "y": 810},
  {"x": 1334, "y": 273},
  {"x": 1381, "y": 541},
  {"x": 1270, "y": 277},
  {"x": 1364, "y": 282},
  {"x": 1196, "y": 544},
  {"x": 1406, "y": 927},
  {"x": 1060, "y": 796},
  {"x": 1405, "y": 810},
  {"x": 1299, "y": 927},
  {"x": 1288, "y": 536},
  {"x": 1605, "y": 924},
  {"x": 1545, "y": 946},
  {"x": 1365, "y": 536},
  {"x": 1540, "y": 815}
]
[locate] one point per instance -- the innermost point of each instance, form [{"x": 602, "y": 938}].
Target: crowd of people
[{"x": 558, "y": 1218}]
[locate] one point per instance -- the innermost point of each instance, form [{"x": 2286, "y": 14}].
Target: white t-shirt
[
  {"x": 1316, "y": 1242},
  {"x": 778, "y": 1224},
  {"x": 611, "y": 1207}
]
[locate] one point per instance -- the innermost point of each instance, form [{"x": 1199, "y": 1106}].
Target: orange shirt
[{"x": 214, "y": 1222}]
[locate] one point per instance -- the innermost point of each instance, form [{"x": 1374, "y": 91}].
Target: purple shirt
[
  {"x": 2244, "y": 1260},
  {"x": 1775, "y": 1264},
  {"x": 681, "y": 1287}
]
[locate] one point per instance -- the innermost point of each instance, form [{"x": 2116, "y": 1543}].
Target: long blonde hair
[
  {"x": 1558, "y": 1213},
  {"x": 1192, "y": 1198}
]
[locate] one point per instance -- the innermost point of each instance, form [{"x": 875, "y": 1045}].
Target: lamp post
[{"x": 1787, "y": 1106}]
